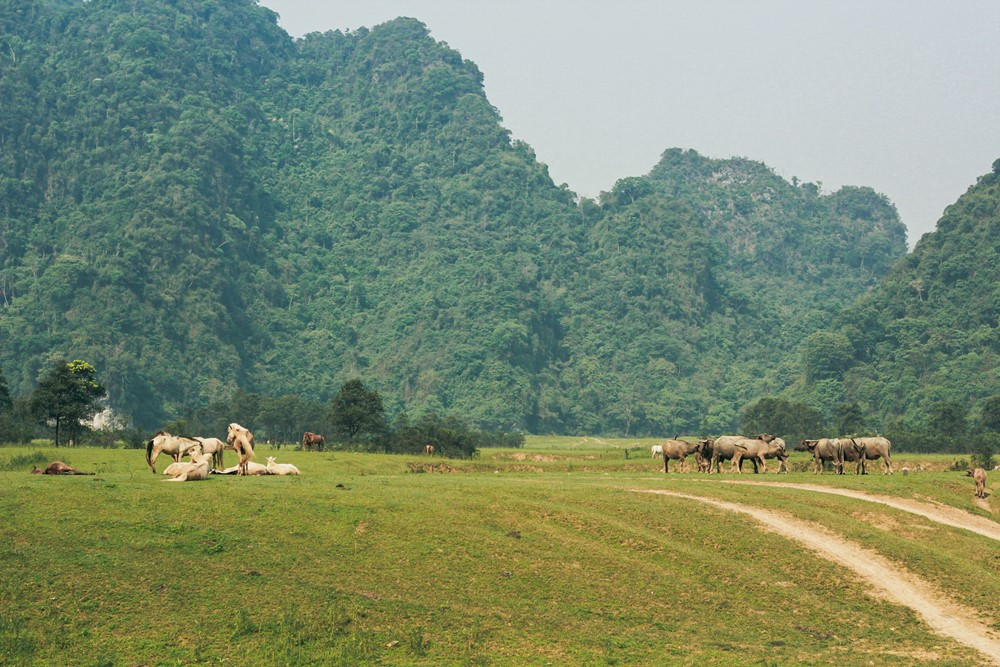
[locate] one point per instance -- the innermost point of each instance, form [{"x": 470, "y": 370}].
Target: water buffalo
[
  {"x": 824, "y": 449},
  {"x": 724, "y": 448},
  {"x": 980, "y": 476},
  {"x": 678, "y": 450},
  {"x": 760, "y": 449},
  {"x": 851, "y": 451},
  {"x": 875, "y": 448}
]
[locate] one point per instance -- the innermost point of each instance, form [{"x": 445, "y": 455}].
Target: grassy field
[{"x": 537, "y": 556}]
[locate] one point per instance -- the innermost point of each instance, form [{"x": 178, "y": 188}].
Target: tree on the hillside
[
  {"x": 849, "y": 418},
  {"x": 949, "y": 419},
  {"x": 990, "y": 415},
  {"x": 355, "y": 411},
  {"x": 788, "y": 419},
  {"x": 5, "y": 402},
  {"x": 66, "y": 395},
  {"x": 826, "y": 355}
]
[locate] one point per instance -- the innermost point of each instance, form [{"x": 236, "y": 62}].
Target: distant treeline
[{"x": 354, "y": 419}]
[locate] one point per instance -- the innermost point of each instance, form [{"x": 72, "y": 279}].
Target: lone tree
[
  {"x": 356, "y": 410},
  {"x": 67, "y": 395}
]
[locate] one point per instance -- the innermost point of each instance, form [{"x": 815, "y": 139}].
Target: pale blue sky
[{"x": 901, "y": 96}]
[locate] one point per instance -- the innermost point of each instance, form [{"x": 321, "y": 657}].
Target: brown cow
[
  {"x": 980, "y": 476},
  {"x": 678, "y": 450},
  {"x": 429, "y": 450},
  {"x": 58, "y": 468}
]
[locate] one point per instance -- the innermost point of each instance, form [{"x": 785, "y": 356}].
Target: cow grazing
[
  {"x": 979, "y": 475},
  {"x": 656, "y": 450}
]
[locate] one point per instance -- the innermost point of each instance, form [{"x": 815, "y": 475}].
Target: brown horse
[
  {"x": 242, "y": 440},
  {"x": 313, "y": 440},
  {"x": 429, "y": 450},
  {"x": 58, "y": 468}
]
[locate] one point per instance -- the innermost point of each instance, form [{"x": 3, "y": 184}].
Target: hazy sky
[{"x": 901, "y": 96}]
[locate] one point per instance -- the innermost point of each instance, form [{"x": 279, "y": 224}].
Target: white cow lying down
[{"x": 280, "y": 468}]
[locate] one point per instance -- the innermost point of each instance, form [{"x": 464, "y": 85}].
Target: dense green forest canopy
[
  {"x": 924, "y": 344},
  {"x": 194, "y": 202}
]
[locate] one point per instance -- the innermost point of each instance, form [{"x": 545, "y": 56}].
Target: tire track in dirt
[
  {"x": 949, "y": 516},
  {"x": 893, "y": 582}
]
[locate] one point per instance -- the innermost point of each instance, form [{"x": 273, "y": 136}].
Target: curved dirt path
[
  {"x": 950, "y": 516},
  {"x": 893, "y": 582}
]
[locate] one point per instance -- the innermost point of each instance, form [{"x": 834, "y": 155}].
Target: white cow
[{"x": 656, "y": 450}]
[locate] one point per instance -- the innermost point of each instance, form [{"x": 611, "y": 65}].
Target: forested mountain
[
  {"x": 193, "y": 202},
  {"x": 927, "y": 335}
]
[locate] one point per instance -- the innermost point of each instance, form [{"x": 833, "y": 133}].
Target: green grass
[{"x": 501, "y": 560}]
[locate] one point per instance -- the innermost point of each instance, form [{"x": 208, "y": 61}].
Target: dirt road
[
  {"x": 949, "y": 516},
  {"x": 893, "y": 582}
]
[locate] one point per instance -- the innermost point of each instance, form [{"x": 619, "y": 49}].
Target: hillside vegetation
[
  {"x": 193, "y": 202},
  {"x": 924, "y": 343}
]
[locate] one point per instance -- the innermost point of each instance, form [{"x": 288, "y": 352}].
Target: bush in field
[{"x": 984, "y": 448}]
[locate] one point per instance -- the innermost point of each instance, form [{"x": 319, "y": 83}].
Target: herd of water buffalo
[{"x": 711, "y": 452}]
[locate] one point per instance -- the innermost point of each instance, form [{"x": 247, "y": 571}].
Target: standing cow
[
  {"x": 724, "y": 448},
  {"x": 979, "y": 475},
  {"x": 823, "y": 450},
  {"x": 852, "y": 451},
  {"x": 678, "y": 450},
  {"x": 758, "y": 449},
  {"x": 875, "y": 448}
]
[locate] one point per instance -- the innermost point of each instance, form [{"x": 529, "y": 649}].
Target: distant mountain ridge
[{"x": 193, "y": 202}]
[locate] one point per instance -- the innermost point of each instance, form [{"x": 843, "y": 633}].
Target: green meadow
[{"x": 537, "y": 556}]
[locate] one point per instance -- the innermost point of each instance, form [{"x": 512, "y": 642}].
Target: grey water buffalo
[
  {"x": 724, "y": 448},
  {"x": 851, "y": 452},
  {"x": 979, "y": 475},
  {"x": 759, "y": 449},
  {"x": 678, "y": 450},
  {"x": 875, "y": 448},
  {"x": 823, "y": 450}
]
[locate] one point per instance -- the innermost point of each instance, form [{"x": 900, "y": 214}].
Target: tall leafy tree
[
  {"x": 66, "y": 395},
  {"x": 357, "y": 411}
]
